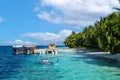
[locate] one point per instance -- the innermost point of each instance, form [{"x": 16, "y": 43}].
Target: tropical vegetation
[{"x": 103, "y": 35}]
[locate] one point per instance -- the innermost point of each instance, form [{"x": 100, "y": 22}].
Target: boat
[
  {"x": 29, "y": 49},
  {"x": 24, "y": 49},
  {"x": 18, "y": 49}
]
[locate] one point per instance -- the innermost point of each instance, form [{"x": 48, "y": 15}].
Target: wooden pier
[
  {"x": 31, "y": 49},
  {"x": 62, "y": 50}
]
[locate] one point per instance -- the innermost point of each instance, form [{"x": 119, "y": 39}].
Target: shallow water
[{"x": 70, "y": 67}]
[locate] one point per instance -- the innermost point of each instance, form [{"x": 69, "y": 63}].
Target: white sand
[{"x": 105, "y": 55}]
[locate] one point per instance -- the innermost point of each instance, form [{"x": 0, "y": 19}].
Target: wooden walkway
[{"x": 66, "y": 50}]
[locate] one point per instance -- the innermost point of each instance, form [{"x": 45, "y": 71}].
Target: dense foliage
[{"x": 104, "y": 35}]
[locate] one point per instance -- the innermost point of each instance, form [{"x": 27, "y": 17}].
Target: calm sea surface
[{"x": 70, "y": 67}]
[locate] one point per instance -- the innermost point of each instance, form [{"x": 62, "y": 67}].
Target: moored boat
[
  {"x": 18, "y": 49},
  {"x": 26, "y": 49},
  {"x": 29, "y": 49}
]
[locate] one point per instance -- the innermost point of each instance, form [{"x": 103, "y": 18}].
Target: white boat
[
  {"x": 17, "y": 49},
  {"x": 26, "y": 49}
]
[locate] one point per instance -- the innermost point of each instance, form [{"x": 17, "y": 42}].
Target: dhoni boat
[
  {"x": 24, "y": 49},
  {"x": 18, "y": 49}
]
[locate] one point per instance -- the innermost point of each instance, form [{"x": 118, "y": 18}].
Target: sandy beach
[{"x": 115, "y": 57}]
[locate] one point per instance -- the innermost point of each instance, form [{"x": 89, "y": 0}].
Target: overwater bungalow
[
  {"x": 51, "y": 49},
  {"x": 49, "y": 56}
]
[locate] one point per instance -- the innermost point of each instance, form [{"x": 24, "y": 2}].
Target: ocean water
[{"x": 70, "y": 67}]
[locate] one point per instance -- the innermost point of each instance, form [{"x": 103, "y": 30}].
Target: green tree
[
  {"x": 104, "y": 34},
  {"x": 71, "y": 40},
  {"x": 79, "y": 40},
  {"x": 113, "y": 32},
  {"x": 89, "y": 37}
]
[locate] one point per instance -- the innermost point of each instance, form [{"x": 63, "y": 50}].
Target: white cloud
[
  {"x": 1, "y": 19},
  {"x": 18, "y": 42},
  {"x": 46, "y": 38},
  {"x": 51, "y": 17},
  {"x": 74, "y": 12}
]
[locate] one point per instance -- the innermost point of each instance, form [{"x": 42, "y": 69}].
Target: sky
[{"x": 41, "y": 22}]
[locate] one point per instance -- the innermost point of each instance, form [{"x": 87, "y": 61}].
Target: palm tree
[
  {"x": 70, "y": 40},
  {"x": 116, "y": 7}
]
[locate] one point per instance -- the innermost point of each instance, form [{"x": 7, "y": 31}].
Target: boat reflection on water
[{"x": 49, "y": 57}]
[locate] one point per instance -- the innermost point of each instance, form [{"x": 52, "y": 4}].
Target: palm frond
[{"x": 116, "y": 8}]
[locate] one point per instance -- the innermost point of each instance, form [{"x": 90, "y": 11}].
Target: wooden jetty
[
  {"x": 31, "y": 49},
  {"x": 62, "y": 50},
  {"x": 51, "y": 50}
]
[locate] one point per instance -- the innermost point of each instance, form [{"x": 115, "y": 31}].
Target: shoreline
[
  {"x": 84, "y": 51},
  {"x": 103, "y": 55},
  {"x": 97, "y": 54}
]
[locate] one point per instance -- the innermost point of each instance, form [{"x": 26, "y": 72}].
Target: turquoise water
[{"x": 70, "y": 67}]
